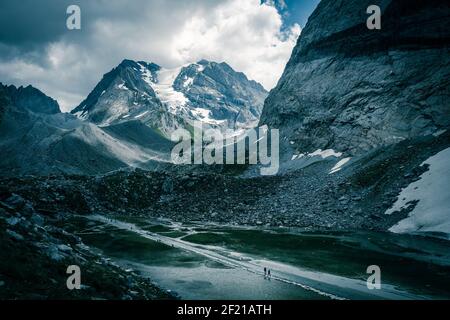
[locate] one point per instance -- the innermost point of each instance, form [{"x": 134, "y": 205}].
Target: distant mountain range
[
  {"x": 125, "y": 121},
  {"x": 36, "y": 138},
  {"x": 165, "y": 99}
]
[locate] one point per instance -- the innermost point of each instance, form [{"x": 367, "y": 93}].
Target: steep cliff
[{"x": 352, "y": 89}]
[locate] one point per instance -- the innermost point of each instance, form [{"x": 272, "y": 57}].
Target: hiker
[
  {"x": 268, "y": 273},
  {"x": 265, "y": 272}
]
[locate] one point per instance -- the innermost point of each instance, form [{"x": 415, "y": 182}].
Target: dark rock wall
[{"x": 353, "y": 89}]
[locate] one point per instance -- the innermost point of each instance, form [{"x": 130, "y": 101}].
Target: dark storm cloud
[
  {"x": 31, "y": 23},
  {"x": 36, "y": 47},
  {"x": 28, "y": 26}
]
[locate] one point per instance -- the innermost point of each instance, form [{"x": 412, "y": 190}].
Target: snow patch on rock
[
  {"x": 122, "y": 86},
  {"x": 318, "y": 153},
  {"x": 431, "y": 192},
  {"x": 325, "y": 153},
  {"x": 339, "y": 165},
  {"x": 175, "y": 100},
  {"x": 204, "y": 115},
  {"x": 141, "y": 115}
]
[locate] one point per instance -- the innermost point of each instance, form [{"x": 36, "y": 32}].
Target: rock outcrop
[{"x": 29, "y": 98}]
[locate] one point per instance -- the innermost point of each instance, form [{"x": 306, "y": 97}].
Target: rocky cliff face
[
  {"x": 219, "y": 94},
  {"x": 28, "y": 98},
  {"x": 352, "y": 89},
  {"x": 166, "y": 99}
]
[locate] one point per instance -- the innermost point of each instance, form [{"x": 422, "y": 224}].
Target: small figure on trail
[
  {"x": 268, "y": 273},
  {"x": 265, "y": 272}
]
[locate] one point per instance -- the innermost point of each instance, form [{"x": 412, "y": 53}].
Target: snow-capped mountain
[
  {"x": 166, "y": 99},
  {"x": 218, "y": 94}
]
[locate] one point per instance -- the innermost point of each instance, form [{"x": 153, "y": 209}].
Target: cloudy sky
[{"x": 253, "y": 36}]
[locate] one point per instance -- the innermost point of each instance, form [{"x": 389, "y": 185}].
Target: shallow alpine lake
[{"x": 208, "y": 261}]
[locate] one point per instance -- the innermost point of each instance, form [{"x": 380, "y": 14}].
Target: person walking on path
[
  {"x": 265, "y": 272},
  {"x": 268, "y": 274}
]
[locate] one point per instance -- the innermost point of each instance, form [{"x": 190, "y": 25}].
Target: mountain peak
[
  {"x": 165, "y": 98},
  {"x": 30, "y": 98},
  {"x": 128, "y": 63},
  {"x": 204, "y": 62}
]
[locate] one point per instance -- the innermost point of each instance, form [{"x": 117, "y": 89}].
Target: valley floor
[
  {"x": 209, "y": 261},
  {"x": 317, "y": 231}
]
